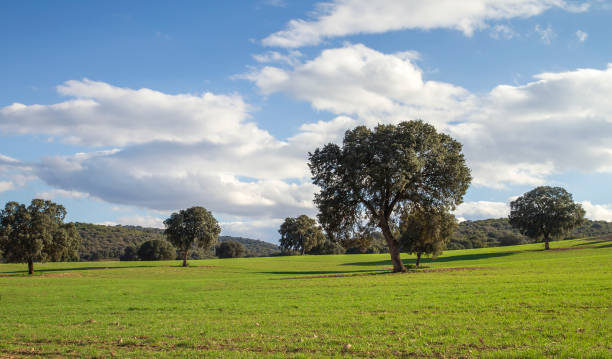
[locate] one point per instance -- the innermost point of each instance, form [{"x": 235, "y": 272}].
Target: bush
[
  {"x": 230, "y": 249},
  {"x": 156, "y": 250}
]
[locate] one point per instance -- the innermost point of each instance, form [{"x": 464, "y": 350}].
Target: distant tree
[
  {"x": 300, "y": 234},
  {"x": 191, "y": 227},
  {"x": 37, "y": 233},
  {"x": 130, "y": 253},
  {"x": 376, "y": 173},
  {"x": 545, "y": 213},
  {"x": 230, "y": 249},
  {"x": 426, "y": 231},
  {"x": 156, "y": 250}
]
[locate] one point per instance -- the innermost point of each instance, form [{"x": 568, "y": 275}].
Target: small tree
[
  {"x": 37, "y": 233},
  {"x": 426, "y": 231},
  {"x": 230, "y": 249},
  {"x": 156, "y": 250},
  {"x": 191, "y": 227},
  {"x": 376, "y": 173},
  {"x": 301, "y": 234},
  {"x": 545, "y": 213},
  {"x": 130, "y": 253}
]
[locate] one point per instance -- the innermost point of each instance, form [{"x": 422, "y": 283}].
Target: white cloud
[
  {"x": 482, "y": 210},
  {"x": 546, "y": 34},
  {"x": 290, "y": 58},
  {"x": 61, "y": 193},
  {"x": 103, "y": 115},
  {"x": 597, "y": 212},
  {"x": 6, "y": 186},
  {"x": 347, "y": 17},
  {"x": 581, "y": 35},
  {"x": 502, "y": 32}
]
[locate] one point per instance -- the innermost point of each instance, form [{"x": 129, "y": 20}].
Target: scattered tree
[
  {"x": 545, "y": 213},
  {"x": 191, "y": 227},
  {"x": 156, "y": 250},
  {"x": 426, "y": 231},
  {"x": 37, "y": 233},
  {"x": 367, "y": 182},
  {"x": 301, "y": 234},
  {"x": 230, "y": 249}
]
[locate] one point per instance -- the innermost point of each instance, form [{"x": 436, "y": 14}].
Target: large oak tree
[
  {"x": 191, "y": 227},
  {"x": 37, "y": 233},
  {"x": 366, "y": 182},
  {"x": 545, "y": 213}
]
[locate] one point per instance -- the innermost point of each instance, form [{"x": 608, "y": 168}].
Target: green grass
[{"x": 508, "y": 302}]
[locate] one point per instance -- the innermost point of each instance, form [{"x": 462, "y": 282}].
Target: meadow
[{"x": 505, "y": 302}]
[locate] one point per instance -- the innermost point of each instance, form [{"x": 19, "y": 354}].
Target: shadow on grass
[
  {"x": 41, "y": 271},
  {"x": 325, "y": 272},
  {"x": 409, "y": 262}
]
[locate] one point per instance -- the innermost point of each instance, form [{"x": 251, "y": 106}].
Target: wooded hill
[{"x": 109, "y": 242}]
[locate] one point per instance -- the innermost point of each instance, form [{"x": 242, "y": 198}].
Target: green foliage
[
  {"x": 191, "y": 227},
  {"x": 156, "y": 250},
  {"x": 545, "y": 213},
  {"x": 230, "y": 249},
  {"x": 37, "y": 233},
  {"x": 110, "y": 242},
  {"x": 426, "y": 231},
  {"x": 254, "y": 247},
  {"x": 300, "y": 234},
  {"x": 375, "y": 174},
  {"x": 130, "y": 253},
  {"x": 327, "y": 247}
]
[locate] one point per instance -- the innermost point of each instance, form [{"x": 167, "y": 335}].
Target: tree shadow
[
  {"x": 325, "y": 272},
  {"x": 462, "y": 257}
]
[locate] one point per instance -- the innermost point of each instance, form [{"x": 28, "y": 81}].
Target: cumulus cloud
[
  {"x": 347, "y": 17},
  {"x": 597, "y": 212},
  {"x": 513, "y": 135},
  {"x": 99, "y": 114},
  {"x": 482, "y": 210},
  {"x": 61, "y": 193}
]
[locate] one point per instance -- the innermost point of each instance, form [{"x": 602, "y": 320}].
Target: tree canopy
[
  {"x": 37, "y": 233},
  {"x": 191, "y": 227},
  {"x": 300, "y": 234},
  {"x": 156, "y": 250},
  {"x": 366, "y": 182},
  {"x": 426, "y": 232},
  {"x": 230, "y": 249},
  {"x": 545, "y": 213}
]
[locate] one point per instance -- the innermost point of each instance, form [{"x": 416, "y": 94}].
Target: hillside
[
  {"x": 499, "y": 232},
  {"x": 109, "y": 242}
]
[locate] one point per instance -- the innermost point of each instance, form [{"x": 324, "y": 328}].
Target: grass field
[{"x": 508, "y": 302}]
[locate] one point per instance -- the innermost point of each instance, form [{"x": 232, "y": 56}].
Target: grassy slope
[{"x": 518, "y": 302}]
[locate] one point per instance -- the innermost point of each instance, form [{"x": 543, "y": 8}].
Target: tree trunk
[
  {"x": 185, "y": 258},
  {"x": 398, "y": 266},
  {"x": 30, "y": 267},
  {"x": 546, "y": 245},
  {"x": 418, "y": 259}
]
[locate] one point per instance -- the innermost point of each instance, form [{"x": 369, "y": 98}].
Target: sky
[{"x": 126, "y": 111}]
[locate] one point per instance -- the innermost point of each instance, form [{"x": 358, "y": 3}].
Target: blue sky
[{"x": 127, "y": 111}]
